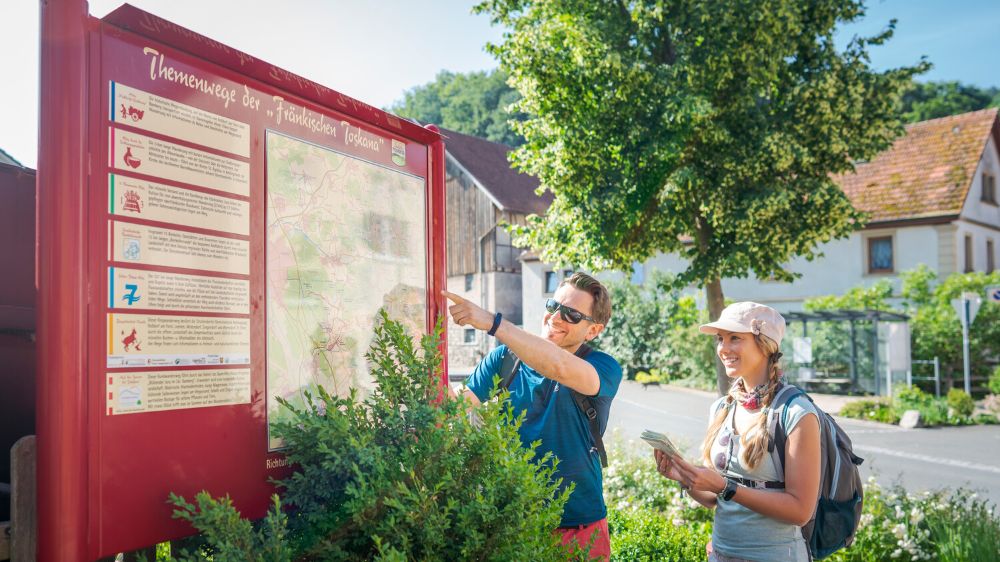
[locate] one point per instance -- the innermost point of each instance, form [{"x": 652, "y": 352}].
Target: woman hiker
[{"x": 756, "y": 517}]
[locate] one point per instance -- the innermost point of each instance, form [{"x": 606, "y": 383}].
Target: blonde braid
[{"x": 756, "y": 441}]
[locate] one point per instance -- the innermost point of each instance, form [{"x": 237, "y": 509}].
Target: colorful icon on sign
[
  {"x": 993, "y": 294},
  {"x": 130, "y": 397},
  {"x": 131, "y": 251},
  {"x": 130, "y": 160},
  {"x": 398, "y": 152},
  {"x": 131, "y": 340},
  {"x": 131, "y": 201},
  {"x": 130, "y": 297}
]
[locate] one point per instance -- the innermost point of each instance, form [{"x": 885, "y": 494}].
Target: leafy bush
[
  {"x": 653, "y": 327},
  {"x": 871, "y": 410},
  {"x": 631, "y": 482},
  {"x": 402, "y": 474},
  {"x": 932, "y": 411},
  {"x": 948, "y": 527},
  {"x": 994, "y": 382},
  {"x": 959, "y": 401},
  {"x": 644, "y": 535},
  {"x": 653, "y": 376}
]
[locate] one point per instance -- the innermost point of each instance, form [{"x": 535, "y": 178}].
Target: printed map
[{"x": 345, "y": 238}]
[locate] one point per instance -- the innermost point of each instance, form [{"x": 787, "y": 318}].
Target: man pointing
[{"x": 551, "y": 368}]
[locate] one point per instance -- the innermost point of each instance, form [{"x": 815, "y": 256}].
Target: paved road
[{"x": 920, "y": 459}]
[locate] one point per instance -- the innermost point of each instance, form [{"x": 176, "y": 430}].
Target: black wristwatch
[{"x": 729, "y": 491}]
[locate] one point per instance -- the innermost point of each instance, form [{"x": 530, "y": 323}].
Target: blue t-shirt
[{"x": 554, "y": 418}]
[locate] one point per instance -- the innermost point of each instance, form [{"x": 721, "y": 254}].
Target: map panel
[{"x": 345, "y": 237}]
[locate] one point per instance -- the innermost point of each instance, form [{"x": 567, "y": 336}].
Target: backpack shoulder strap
[
  {"x": 776, "y": 419},
  {"x": 509, "y": 366},
  {"x": 588, "y": 406}
]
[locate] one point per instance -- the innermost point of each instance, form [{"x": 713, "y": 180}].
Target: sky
[{"x": 375, "y": 50}]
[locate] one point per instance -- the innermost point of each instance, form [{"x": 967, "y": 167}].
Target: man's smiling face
[{"x": 562, "y": 333}]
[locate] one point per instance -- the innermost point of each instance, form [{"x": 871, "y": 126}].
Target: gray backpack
[{"x": 841, "y": 494}]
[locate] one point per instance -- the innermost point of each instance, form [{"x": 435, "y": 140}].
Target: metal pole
[
  {"x": 937, "y": 377},
  {"x": 61, "y": 282},
  {"x": 854, "y": 356},
  {"x": 965, "y": 341},
  {"x": 875, "y": 374}
]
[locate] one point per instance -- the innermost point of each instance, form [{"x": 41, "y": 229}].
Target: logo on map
[
  {"x": 131, "y": 340},
  {"x": 131, "y": 201},
  {"x": 398, "y": 152},
  {"x": 130, "y": 160},
  {"x": 130, "y": 297},
  {"x": 131, "y": 251}
]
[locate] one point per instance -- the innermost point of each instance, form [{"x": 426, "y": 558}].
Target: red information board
[{"x": 237, "y": 229}]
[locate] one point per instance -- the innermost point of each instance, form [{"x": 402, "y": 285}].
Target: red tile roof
[
  {"x": 927, "y": 172},
  {"x": 487, "y": 162}
]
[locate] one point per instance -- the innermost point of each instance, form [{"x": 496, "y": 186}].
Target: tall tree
[
  {"x": 929, "y": 100},
  {"x": 473, "y": 103},
  {"x": 706, "y": 128}
]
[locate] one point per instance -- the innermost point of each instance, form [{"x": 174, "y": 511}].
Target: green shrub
[
  {"x": 960, "y": 402},
  {"x": 403, "y": 474},
  {"x": 932, "y": 411},
  {"x": 653, "y": 376},
  {"x": 943, "y": 526},
  {"x": 994, "y": 382},
  {"x": 644, "y": 535},
  {"x": 871, "y": 410},
  {"x": 631, "y": 482}
]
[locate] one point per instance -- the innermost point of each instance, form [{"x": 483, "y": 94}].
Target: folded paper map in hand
[{"x": 661, "y": 442}]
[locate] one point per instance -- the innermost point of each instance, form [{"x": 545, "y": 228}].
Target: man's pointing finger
[{"x": 453, "y": 297}]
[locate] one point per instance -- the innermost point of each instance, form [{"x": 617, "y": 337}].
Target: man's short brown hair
[{"x": 602, "y": 299}]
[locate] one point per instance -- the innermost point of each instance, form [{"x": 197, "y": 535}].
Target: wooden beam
[{"x": 23, "y": 500}]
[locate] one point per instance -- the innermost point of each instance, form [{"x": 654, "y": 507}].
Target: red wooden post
[
  {"x": 61, "y": 282},
  {"x": 438, "y": 228}
]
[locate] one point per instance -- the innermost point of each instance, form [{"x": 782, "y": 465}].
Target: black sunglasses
[{"x": 571, "y": 315}]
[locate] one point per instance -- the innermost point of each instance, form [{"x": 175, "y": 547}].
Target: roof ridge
[{"x": 953, "y": 117}]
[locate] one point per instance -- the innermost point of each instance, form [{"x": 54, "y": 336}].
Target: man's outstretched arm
[{"x": 545, "y": 357}]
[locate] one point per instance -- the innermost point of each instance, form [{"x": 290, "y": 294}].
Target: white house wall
[
  {"x": 842, "y": 267},
  {"x": 980, "y": 220}
]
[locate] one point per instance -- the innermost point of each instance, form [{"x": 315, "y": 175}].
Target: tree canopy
[
  {"x": 706, "y": 129},
  {"x": 929, "y": 100},
  {"x": 473, "y": 103}
]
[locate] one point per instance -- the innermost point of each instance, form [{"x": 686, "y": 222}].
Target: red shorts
[{"x": 600, "y": 549}]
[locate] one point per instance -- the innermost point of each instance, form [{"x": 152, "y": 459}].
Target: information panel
[{"x": 246, "y": 225}]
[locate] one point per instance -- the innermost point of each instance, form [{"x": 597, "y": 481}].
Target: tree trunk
[{"x": 716, "y": 302}]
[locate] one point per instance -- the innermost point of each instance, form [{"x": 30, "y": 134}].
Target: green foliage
[
  {"x": 959, "y": 401},
  {"x": 227, "y": 537},
  {"x": 871, "y": 410},
  {"x": 943, "y": 526},
  {"x": 643, "y": 535},
  {"x": 994, "y": 382},
  {"x": 473, "y": 103},
  {"x": 935, "y": 328},
  {"x": 932, "y": 411},
  {"x": 404, "y": 473},
  {"x": 653, "y": 328},
  {"x": 654, "y": 376},
  {"x": 709, "y": 130},
  {"x": 649, "y": 518},
  {"x": 930, "y": 100}
]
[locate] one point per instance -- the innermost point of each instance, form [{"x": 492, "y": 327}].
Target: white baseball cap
[{"x": 748, "y": 317}]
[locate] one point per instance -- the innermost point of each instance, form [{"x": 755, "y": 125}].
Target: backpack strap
[
  {"x": 776, "y": 425},
  {"x": 588, "y": 406},
  {"x": 509, "y": 368}
]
